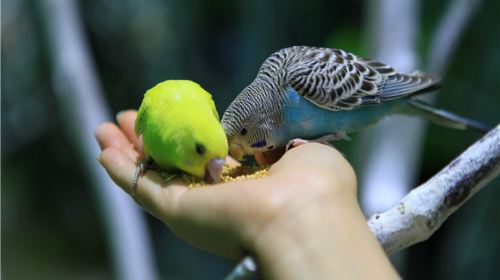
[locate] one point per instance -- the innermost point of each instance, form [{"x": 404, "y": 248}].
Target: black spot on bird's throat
[
  {"x": 243, "y": 131},
  {"x": 259, "y": 144}
]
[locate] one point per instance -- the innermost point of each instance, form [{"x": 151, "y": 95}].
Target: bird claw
[
  {"x": 295, "y": 143},
  {"x": 333, "y": 137},
  {"x": 323, "y": 140},
  {"x": 139, "y": 171}
]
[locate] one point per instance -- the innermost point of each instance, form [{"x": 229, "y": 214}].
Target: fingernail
[{"x": 119, "y": 114}]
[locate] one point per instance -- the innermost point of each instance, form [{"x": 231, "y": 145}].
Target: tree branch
[{"x": 422, "y": 211}]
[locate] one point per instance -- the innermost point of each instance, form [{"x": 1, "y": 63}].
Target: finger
[
  {"x": 314, "y": 158},
  {"x": 126, "y": 121},
  {"x": 213, "y": 210},
  {"x": 151, "y": 191},
  {"x": 109, "y": 135},
  {"x": 269, "y": 157}
]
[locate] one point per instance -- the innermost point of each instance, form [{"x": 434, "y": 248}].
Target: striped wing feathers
[{"x": 338, "y": 80}]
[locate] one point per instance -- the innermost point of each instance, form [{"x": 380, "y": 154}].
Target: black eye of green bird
[
  {"x": 200, "y": 149},
  {"x": 243, "y": 131}
]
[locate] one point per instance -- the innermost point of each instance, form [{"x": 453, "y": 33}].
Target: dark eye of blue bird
[
  {"x": 270, "y": 147},
  {"x": 259, "y": 144},
  {"x": 200, "y": 149},
  {"x": 243, "y": 131}
]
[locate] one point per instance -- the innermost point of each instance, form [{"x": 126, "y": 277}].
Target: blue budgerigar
[{"x": 322, "y": 93}]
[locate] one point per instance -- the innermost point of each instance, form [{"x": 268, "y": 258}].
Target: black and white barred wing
[{"x": 337, "y": 80}]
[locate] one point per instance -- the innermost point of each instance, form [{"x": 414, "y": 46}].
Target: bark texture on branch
[{"x": 422, "y": 211}]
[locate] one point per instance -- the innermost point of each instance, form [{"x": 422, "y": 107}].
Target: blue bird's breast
[{"x": 303, "y": 119}]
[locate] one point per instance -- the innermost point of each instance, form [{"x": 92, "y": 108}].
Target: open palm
[{"x": 227, "y": 219}]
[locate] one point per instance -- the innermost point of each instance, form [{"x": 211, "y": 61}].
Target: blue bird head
[{"x": 251, "y": 121}]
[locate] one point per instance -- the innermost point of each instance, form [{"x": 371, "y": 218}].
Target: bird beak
[
  {"x": 213, "y": 170},
  {"x": 236, "y": 151}
]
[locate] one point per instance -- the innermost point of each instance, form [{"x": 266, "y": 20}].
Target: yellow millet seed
[{"x": 229, "y": 174}]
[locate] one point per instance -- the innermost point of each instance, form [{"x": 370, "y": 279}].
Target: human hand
[{"x": 308, "y": 196}]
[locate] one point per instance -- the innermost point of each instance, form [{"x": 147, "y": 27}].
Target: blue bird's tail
[{"x": 442, "y": 117}]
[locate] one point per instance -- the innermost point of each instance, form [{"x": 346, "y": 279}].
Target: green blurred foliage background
[{"x": 50, "y": 222}]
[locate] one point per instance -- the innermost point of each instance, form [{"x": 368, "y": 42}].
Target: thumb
[{"x": 319, "y": 159}]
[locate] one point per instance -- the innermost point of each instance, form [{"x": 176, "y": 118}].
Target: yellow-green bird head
[{"x": 181, "y": 129}]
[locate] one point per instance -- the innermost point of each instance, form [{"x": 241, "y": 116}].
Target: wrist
[
  {"x": 294, "y": 244},
  {"x": 313, "y": 242}
]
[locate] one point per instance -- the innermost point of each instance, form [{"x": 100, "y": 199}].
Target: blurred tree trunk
[
  {"x": 449, "y": 33},
  {"x": 390, "y": 150},
  {"x": 81, "y": 101}
]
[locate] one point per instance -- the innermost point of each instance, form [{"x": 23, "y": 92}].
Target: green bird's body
[{"x": 181, "y": 129}]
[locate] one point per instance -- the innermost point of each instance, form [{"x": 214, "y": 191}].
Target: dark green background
[{"x": 50, "y": 224}]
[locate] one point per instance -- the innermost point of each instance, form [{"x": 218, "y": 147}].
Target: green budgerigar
[{"x": 181, "y": 130}]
